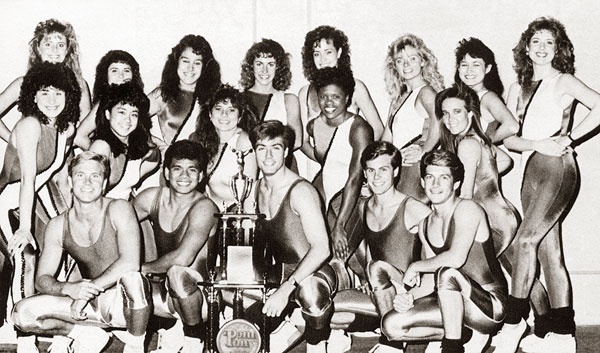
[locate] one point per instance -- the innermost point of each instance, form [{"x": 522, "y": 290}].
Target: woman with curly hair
[
  {"x": 265, "y": 77},
  {"x": 122, "y": 135},
  {"x": 53, "y": 41},
  {"x": 412, "y": 80},
  {"x": 49, "y": 101},
  {"x": 222, "y": 129},
  {"x": 543, "y": 100},
  {"x": 476, "y": 67},
  {"x": 115, "y": 67},
  {"x": 327, "y": 46}
]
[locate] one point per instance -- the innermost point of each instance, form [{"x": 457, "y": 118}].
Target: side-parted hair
[
  {"x": 131, "y": 94},
  {"x": 335, "y": 76},
  {"x": 443, "y": 158},
  {"x": 396, "y": 85},
  {"x": 272, "y": 129},
  {"x": 448, "y": 141},
  {"x": 206, "y": 134},
  {"x": 50, "y": 26},
  {"x": 564, "y": 58},
  {"x": 267, "y": 48},
  {"x": 90, "y": 156},
  {"x": 313, "y": 39},
  {"x": 44, "y": 75},
  {"x": 477, "y": 50},
  {"x": 114, "y": 56},
  {"x": 381, "y": 148},
  {"x": 210, "y": 77}
]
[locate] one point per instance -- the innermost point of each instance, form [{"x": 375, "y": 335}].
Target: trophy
[{"x": 240, "y": 184}]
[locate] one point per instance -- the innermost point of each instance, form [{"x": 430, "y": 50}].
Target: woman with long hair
[
  {"x": 476, "y": 68},
  {"x": 412, "y": 80},
  {"x": 543, "y": 101}
]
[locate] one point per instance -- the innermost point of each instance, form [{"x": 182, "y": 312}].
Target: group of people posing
[{"x": 108, "y": 201}]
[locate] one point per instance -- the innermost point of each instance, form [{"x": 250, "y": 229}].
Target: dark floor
[{"x": 588, "y": 341}]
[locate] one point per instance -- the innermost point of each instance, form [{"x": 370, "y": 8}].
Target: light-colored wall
[{"x": 148, "y": 30}]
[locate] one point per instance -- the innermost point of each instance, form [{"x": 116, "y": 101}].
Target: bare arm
[
  {"x": 85, "y": 129},
  {"x": 85, "y": 104},
  {"x": 469, "y": 153},
  {"x": 8, "y": 98},
  {"x": 508, "y": 124},
  {"x": 363, "y": 100},
  {"x": 571, "y": 86},
  {"x": 100, "y": 147},
  {"x": 426, "y": 100},
  {"x": 151, "y": 161},
  {"x": 503, "y": 160},
  {"x": 123, "y": 219},
  {"x": 306, "y": 147},
  {"x": 292, "y": 106},
  {"x": 142, "y": 203},
  {"x": 50, "y": 259},
  {"x": 202, "y": 224}
]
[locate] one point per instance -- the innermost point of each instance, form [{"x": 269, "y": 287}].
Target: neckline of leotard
[
  {"x": 104, "y": 217},
  {"x": 268, "y": 103},
  {"x": 183, "y": 219},
  {"x": 530, "y": 99},
  {"x": 396, "y": 216},
  {"x": 450, "y": 224},
  {"x": 393, "y": 116},
  {"x": 285, "y": 198},
  {"x": 212, "y": 171}
]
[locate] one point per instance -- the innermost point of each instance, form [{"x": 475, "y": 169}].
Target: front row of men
[{"x": 103, "y": 237}]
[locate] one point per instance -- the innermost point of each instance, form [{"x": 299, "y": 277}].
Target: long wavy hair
[
  {"x": 395, "y": 85},
  {"x": 206, "y": 134},
  {"x": 267, "y": 48},
  {"x": 313, "y": 39},
  {"x": 564, "y": 58},
  {"x": 448, "y": 141},
  {"x": 210, "y": 77},
  {"x": 475, "y": 48},
  {"x": 125, "y": 93},
  {"x": 101, "y": 84},
  {"x": 50, "y": 26},
  {"x": 44, "y": 75}
]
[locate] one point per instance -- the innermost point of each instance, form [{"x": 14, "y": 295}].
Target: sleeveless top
[
  {"x": 46, "y": 155},
  {"x": 486, "y": 117},
  {"x": 393, "y": 244},
  {"x": 122, "y": 181},
  {"x": 481, "y": 264},
  {"x": 406, "y": 122},
  {"x": 225, "y": 167},
  {"x": 269, "y": 106},
  {"x": 93, "y": 260},
  {"x": 283, "y": 233},
  {"x": 337, "y": 162},
  {"x": 169, "y": 241}
]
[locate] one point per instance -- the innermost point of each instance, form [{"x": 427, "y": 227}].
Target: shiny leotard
[
  {"x": 221, "y": 169},
  {"x": 269, "y": 106},
  {"x": 122, "y": 180}
]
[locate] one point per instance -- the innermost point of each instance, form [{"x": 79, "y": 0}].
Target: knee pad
[
  {"x": 136, "y": 290},
  {"x": 314, "y": 296},
  {"x": 182, "y": 281},
  {"x": 448, "y": 278}
]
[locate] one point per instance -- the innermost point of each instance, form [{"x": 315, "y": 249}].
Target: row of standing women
[{"x": 332, "y": 125}]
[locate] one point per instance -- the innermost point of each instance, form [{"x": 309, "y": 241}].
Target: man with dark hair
[
  {"x": 183, "y": 220},
  {"x": 470, "y": 287},
  {"x": 103, "y": 237},
  {"x": 294, "y": 230}
]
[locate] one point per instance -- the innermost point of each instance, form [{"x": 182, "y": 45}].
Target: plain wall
[{"x": 149, "y": 29}]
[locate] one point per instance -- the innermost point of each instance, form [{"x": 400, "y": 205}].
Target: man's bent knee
[
  {"x": 182, "y": 281},
  {"x": 24, "y": 317},
  {"x": 392, "y": 326},
  {"x": 448, "y": 278},
  {"x": 378, "y": 275},
  {"x": 137, "y": 293}
]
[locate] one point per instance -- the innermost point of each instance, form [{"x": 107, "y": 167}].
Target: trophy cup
[{"x": 240, "y": 184}]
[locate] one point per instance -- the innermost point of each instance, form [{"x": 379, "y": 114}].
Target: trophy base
[{"x": 240, "y": 267}]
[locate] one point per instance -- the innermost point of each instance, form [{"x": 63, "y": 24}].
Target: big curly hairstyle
[
  {"x": 477, "y": 50},
  {"x": 114, "y": 56},
  {"x": 210, "y": 77},
  {"x": 395, "y": 85},
  {"x": 335, "y": 76},
  {"x": 448, "y": 141},
  {"x": 206, "y": 134},
  {"x": 267, "y": 48},
  {"x": 313, "y": 39},
  {"x": 131, "y": 94},
  {"x": 564, "y": 58},
  {"x": 50, "y": 26},
  {"x": 44, "y": 75}
]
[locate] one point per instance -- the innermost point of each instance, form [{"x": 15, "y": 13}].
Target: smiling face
[
  {"x": 183, "y": 175},
  {"x": 270, "y": 155},
  {"x": 50, "y": 101},
  {"x": 53, "y": 47},
  {"x": 325, "y": 54},
  {"x": 87, "y": 181},
  {"x": 455, "y": 116},
  {"x": 189, "y": 69},
  {"x": 264, "y": 70},
  {"x": 332, "y": 101},
  {"x": 542, "y": 47},
  {"x": 472, "y": 71},
  {"x": 119, "y": 73},
  {"x": 439, "y": 184},
  {"x": 408, "y": 63},
  {"x": 380, "y": 174},
  {"x": 224, "y": 116},
  {"x": 123, "y": 120}
]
